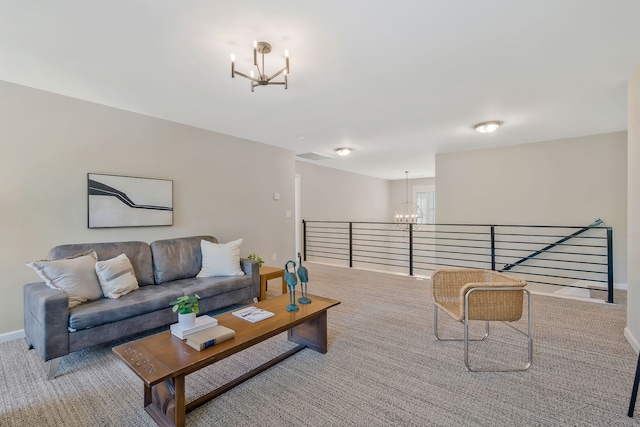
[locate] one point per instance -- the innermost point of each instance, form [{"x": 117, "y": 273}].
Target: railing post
[
  {"x": 410, "y": 249},
  {"x": 493, "y": 247},
  {"x": 350, "y": 244},
  {"x": 304, "y": 239},
  {"x": 610, "y": 265}
]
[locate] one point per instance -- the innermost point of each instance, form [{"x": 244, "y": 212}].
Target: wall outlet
[{"x": 274, "y": 256}]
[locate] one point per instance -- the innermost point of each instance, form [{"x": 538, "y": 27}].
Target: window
[{"x": 425, "y": 197}]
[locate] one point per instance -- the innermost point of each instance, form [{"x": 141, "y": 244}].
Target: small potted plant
[
  {"x": 187, "y": 308},
  {"x": 256, "y": 257}
]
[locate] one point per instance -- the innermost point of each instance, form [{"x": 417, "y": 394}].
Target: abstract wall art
[{"x": 125, "y": 201}]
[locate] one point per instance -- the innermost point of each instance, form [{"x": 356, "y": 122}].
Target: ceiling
[{"x": 396, "y": 81}]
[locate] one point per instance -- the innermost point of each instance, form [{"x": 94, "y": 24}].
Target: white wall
[
  {"x": 632, "y": 331},
  {"x": 223, "y": 185},
  {"x": 563, "y": 182},
  {"x": 398, "y": 192},
  {"x": 335, "y": 195}
]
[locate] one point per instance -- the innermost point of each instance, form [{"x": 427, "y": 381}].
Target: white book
[
  {"x": 202, "y": 322},
  {"x": 253, "y": 314}
]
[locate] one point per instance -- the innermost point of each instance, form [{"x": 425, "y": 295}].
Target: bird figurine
[
  {"x": 303, "y": 274},
  {"x": 291, "y": 279}
]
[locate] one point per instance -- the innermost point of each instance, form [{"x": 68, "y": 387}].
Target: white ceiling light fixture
[
  {"x": 263, "y": 79},
  {"x": 488, "y": 127},
  {"x": 344, "y": 151}
]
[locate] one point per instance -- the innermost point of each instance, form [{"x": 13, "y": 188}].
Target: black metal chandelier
[{"x": 263, "y": 79}]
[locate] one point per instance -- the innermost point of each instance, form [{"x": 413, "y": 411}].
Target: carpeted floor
[{"x": 383, "y": 368}]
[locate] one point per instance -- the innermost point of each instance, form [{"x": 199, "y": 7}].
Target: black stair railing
[
  {"x": 508, "y": 267},
  {"x": 571, "y": 256}
]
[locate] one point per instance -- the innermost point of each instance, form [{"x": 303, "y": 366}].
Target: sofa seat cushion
[
  {"x": 107, "y": 310},
  {"x": 207, "y": 287}
]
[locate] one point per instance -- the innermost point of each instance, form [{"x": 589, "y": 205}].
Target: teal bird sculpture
[
  {"x": 303, "y": 274},
  {"x": 291, "y": 279}
]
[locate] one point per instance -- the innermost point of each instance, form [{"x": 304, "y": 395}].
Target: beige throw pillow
[
  {"x": 220, "y": 259},
  {"x": 116, "y": 276},
  {"x": 74, "y": 275}
]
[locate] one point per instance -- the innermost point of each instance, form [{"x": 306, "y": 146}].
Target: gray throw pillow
[{"x": 74, "y": 275}]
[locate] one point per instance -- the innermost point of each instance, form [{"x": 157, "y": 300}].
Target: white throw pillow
[
  {"x": 220, "y": 259},
  {"x": 116, "y": 276},
  {"x": 74, "y": 275}
]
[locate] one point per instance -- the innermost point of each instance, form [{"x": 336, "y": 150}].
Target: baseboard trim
[
  {"x": 10, "y": 336},
  {"x": 632, "y": 340}
]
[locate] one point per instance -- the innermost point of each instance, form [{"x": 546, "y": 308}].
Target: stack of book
[
  {"x": 202, "y": 323},
  {"x": 210, "y": 337}
]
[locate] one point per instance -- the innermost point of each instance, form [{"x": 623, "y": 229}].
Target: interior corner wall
[
  {"x": 334, "y": 195},
  {"x": 563, "y": 182},
  {"x": 222, "y": 185},
  {"x": 632, "y": 331}
]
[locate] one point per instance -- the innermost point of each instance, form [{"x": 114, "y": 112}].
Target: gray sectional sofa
[{"x": 165, "y": 270}]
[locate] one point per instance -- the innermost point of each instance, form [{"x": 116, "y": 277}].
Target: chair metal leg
[
  {"x": 529, "y": 336},
  {"x": 53, "y": 367}
]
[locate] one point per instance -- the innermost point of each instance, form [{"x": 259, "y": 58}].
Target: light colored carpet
[{"x": 383, "y": 368}]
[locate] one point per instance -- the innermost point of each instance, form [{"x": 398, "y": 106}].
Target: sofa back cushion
[
  {"x": 139, "y": 253},
  {"x": 175, "y": 259}
]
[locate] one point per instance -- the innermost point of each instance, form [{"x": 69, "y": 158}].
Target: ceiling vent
[{"x": 314, "y": 156}]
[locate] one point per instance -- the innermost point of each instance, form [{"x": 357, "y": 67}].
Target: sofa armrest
[
  {"x": 252, "y": 268},
  {"x": 46, "y": 320}
]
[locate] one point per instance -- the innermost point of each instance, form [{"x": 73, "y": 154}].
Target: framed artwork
[{"x": 125, "y": 201}]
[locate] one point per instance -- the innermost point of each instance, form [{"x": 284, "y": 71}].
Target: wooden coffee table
[{"x": 162, "y": 360}]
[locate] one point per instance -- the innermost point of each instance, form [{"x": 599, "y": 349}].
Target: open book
[{"x": 252, "y": 314}]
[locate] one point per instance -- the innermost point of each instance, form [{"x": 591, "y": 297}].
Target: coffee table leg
[
  {"x": 312, "y": 333},
  {"x": 180, "y": 401}
]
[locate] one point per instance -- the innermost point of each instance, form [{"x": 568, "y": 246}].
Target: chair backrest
[
  {"x": 501, "y": 305},
  {"x": 451, "y": 285}
]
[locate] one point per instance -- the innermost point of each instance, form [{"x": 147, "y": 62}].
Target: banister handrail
[
  {"x": 508, "y": 267},
  {"x": 585, "y": 263}
]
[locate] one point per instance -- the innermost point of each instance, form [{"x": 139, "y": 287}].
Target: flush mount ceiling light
[
  {"x": 487, "y": 127},
  {"x": 344, "y": 151},
  {"x": 262, "y": 79}
]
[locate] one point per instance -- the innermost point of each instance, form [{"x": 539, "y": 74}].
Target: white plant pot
[{"x": 187, "y": 320}]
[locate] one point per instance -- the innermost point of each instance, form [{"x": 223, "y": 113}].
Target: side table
[{"x": 268, "y": 273}]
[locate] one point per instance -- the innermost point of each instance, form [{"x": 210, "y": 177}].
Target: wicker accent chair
[{"x": 485, "y": 295}]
